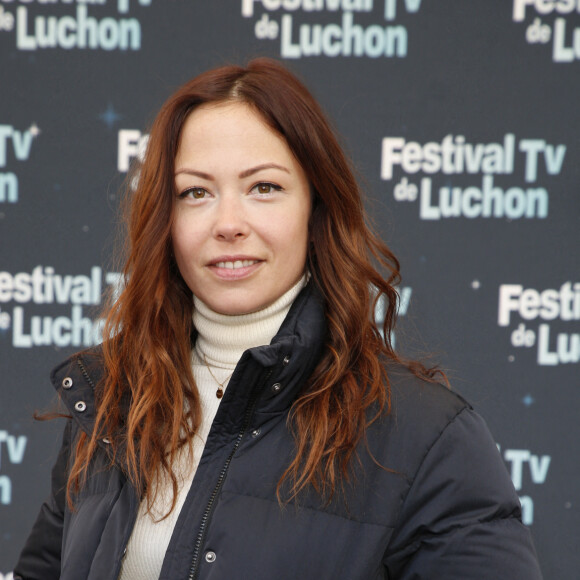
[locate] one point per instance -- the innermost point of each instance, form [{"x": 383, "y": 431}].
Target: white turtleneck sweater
[{"x": 220, "y": 343}]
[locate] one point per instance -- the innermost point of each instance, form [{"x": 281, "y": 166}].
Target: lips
[
  {"x": 231, "y": 268},
  {"x": 235, "y": 264}
]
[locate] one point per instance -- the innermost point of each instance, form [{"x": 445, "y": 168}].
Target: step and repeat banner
[{"x": 462, "y": 122}]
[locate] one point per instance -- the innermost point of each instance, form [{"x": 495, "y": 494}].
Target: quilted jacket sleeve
[
  {"x": 461, "y": 519},
  {"x": 40, "y": 558}
]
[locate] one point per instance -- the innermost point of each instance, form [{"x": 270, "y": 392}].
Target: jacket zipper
[
  {"x": 194, "y": 568},
  {"x": 85, "y": 373}
]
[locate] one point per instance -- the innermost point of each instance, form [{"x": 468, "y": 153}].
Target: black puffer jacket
[{"x": 444, "y": 509}]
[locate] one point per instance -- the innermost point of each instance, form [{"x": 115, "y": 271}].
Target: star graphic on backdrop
[
  {"x": 34, "y": 130},
  {"x": 110, "y": 116},
  {"x": 528, "y": 400},
  {"x": 476, "y": 284}
]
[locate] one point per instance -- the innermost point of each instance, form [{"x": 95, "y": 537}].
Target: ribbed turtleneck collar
[{"x": 222, "y": 338}]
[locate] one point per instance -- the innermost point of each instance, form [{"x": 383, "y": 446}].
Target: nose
[{"x": 230, "y": 221}]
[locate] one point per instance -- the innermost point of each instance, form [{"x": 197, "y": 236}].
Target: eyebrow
[{"x": 242, "y": 175}]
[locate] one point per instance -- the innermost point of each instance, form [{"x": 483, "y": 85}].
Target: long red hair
[{"x": 147, "y": 332}]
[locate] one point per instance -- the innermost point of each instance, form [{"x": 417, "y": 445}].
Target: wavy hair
[{"x": 147, "y": 347}]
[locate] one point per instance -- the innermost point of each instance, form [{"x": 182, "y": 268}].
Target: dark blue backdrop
[{"x": 461, "y": 118}]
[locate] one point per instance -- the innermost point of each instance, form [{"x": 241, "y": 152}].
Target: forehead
[
  {"x": 227, "y": 138},
  {"x": 223, "y": 122}
]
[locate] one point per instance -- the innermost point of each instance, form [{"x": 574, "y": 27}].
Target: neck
[{"x": 223, "y": 338}]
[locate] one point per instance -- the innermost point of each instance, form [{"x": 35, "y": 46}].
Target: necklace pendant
[{"x": 219, "y": 393}]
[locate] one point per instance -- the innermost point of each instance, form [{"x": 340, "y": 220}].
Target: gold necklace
[{"x": 220, "y": 390}]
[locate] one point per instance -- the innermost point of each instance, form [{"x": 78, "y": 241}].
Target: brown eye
[
  {"x": 264, "y": 188},
  {"x": 194, "y": 193},
  {"x": 198, "y": 193}
]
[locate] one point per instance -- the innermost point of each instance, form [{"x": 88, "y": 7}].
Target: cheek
[
  {"x": 176, "y": 239},
  {"x": 294, "y": 238},
  {"x": 301, "y": 227},
  {"x": 183, "y": 231},
  {"x": 184, "y": 242}
]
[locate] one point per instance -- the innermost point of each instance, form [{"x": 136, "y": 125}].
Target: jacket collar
[
  {"x": 294, "y": 352},
  {"x": 281, "y": 367}
]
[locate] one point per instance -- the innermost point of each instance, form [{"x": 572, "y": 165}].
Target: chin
[{"x": 233, "y": 309}]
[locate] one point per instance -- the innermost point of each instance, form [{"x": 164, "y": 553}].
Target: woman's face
[{"x": 240, "y": 229}]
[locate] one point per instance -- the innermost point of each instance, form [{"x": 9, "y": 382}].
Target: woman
[{"x": 245, "y": 417}]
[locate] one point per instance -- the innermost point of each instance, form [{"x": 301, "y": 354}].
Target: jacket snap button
[
  {"x": 80, "y": 406},
  {"x": 256, "y": 432},
  {"x": 286, "y": 360},
  {"x": 210, "y": 557},
  {"x": 67, "y": 383},
  {"x": 276, "y": 388}
]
